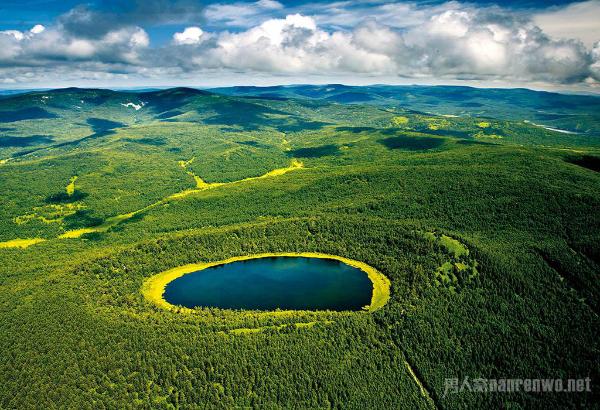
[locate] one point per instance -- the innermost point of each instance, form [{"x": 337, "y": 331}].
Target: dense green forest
[{"x": 488, "y": 227}]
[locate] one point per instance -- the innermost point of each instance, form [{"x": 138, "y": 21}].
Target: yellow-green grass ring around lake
[{"x": 153, "y": 288}]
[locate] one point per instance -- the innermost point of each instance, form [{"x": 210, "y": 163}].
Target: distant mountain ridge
[
  {"x": 575, "y": 113},
  {"x": 67, "y": 112}
]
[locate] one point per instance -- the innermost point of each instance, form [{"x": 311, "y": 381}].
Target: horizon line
[{"x": 199, "y": 87}]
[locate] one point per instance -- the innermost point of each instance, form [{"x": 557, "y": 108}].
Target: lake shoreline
[{"x": 154, "y": 287}]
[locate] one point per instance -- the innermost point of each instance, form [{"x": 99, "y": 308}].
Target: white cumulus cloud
[
  {"x": 442, "y": 42},
  {"x": 463, "y": 42},
  {"x": 578, "y": 20},
  {"x": 191, "y": 35},
  {"x": 37, "y": 29}
]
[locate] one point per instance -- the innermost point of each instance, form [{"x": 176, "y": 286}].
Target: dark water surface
[{"x": 296, "y": 283}]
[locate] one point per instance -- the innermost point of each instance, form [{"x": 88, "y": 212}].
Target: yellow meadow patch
[{"x": 21, "y": 243}]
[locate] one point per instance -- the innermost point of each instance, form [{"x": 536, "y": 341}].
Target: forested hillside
[{"x": 481, "y": 207}]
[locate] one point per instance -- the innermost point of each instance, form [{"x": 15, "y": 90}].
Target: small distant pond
[{"x": 268, "y": 283}]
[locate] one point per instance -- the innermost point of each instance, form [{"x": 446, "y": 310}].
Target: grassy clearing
[
  {"x": 21, "y": 243},
  {"x": 77, "y": 233},
  {"x": 454, "y": 246},
  {"x": 295, "y": 165},
  {"x": 458, "y": 272},
  {"x": 254, "y": 330},
  {"x": 49, "y": 214},
  {"x": 400, "y": 121},
  {"x": 200, "y": 183},
  {"x": 71, "y": 186}
]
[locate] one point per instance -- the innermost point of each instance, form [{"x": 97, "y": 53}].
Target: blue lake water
[{"x": 295, "y": 283}]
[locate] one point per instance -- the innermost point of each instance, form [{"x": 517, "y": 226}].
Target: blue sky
[
  {"x": 20, "y": 15},
  {"x": 537, "y": 44}
]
